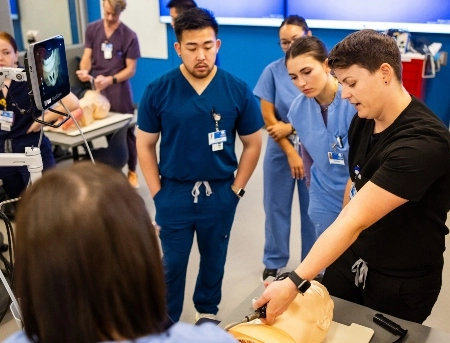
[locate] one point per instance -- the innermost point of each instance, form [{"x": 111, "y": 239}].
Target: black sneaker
[{"x": 269, "y": 272}]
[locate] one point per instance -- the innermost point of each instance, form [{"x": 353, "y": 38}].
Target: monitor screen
[
  {"x": 237, "y": 12},
  {"x": 48, "y": 72},
  {"x": 410, "y": 15}
]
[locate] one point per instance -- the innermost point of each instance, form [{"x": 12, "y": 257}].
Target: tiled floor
[{"x": 244, "y": 266}]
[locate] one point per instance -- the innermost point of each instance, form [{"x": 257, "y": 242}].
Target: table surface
[
  {"x": 347, "y": 313},
  {"x": 60, "y": 138}
]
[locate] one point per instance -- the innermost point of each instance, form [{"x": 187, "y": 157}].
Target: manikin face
[
  {"x": 288, "y": 34},
  {"x": 307, "y": 320},
  {"x": 198, "y": 50},
  {"x": 110, "y": 16},
  {"x": 363, "y": 89},
  {"x": 8, "y": 57},
  {"x": 308, "y": 74}
]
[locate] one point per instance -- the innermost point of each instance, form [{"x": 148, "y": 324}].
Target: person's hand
[
  {"x": 35, "y": 127},
  {"x": 278, "y": 296},
  {"x": 296, "y": 165},
  {"x": 279, "y": 130},
  {"x": 101, "y": 82},
  {"x": 83, "y": 75}
]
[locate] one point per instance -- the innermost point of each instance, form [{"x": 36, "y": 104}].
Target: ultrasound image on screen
[{"x": 50, "y": 80}]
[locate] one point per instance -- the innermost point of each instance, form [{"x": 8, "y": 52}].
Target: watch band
[
  {"x": 114, "y": 79},
  {"x": 294, "y": 132},
  {"x": 302, "y": 285},
  {"x": 238, "y": 191}
]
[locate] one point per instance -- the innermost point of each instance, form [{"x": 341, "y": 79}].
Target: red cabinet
[{"x": 412, "y": 74}]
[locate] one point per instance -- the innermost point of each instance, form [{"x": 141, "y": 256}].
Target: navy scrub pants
[{"x": 210, "y": 219}]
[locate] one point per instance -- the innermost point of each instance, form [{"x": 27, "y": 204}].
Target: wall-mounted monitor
[
  {"x": 237, "y": 12},
  {"x": 47, "y": 71},
  {"x": 431, "y": 16}
]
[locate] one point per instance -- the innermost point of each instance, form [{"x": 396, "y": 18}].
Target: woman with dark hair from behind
[{"x": 99, "y": 277}]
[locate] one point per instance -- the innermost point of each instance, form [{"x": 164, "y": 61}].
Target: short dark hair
[
  {"x": 295, "y": 19},
  {"x": 88, "y": 263},
  {"x": 181, "y": 5},
  {"x": 368, "y": 49},
  {"x": 195, "y": 19},
  {"x": 310, "y": 45}
]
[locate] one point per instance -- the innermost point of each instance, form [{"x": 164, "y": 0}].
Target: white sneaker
[{"x": 204, "y": 315}]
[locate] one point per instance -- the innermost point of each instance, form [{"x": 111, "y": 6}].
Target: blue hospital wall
[{"x": 246, "y": 50}]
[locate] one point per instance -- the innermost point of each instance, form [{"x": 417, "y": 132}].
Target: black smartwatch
[
  {"x": 239, "y": 191},
  {"x": 114, "y": 80},
  {"x": 302, "y": 285}
]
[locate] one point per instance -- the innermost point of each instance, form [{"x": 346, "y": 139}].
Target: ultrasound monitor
[{"x": 47, "y": 71}]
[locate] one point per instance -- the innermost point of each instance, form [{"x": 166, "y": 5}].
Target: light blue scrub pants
[
  {"x": 320, "y": 216},
  {"x": 279, "y": 189},
  {"x": 210, "y": 219}
]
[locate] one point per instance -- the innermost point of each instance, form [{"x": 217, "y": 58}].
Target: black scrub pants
[{"x": 409, "y": 295}]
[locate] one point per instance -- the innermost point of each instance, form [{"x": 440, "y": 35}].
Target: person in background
[
  {"x": 385, "y": 249},
  {"x": 100, "y": 277},
  {"x": 177, "y": 6},
  {"x": 109, "y": 59},
  {"x": 198, "y": 109},
  {"x": 21, "y": 130},
  {"x": 321, "y": 118},
  {"x": 283, "y": 166}
]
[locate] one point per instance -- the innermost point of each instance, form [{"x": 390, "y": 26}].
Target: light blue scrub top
[
  {"x": 275, "y": 86},
  {"x": 327, "y": 180},
  {"x": 179, "y": 332},
  {"x": 171, "y": 106}
]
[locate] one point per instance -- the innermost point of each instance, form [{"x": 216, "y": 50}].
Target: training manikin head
[
  {"x": 307, "y": 320},
  {"x": 92, "y": 106}
]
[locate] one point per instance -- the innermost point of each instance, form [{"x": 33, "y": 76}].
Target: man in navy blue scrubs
[{"x": 198, "y": 109}]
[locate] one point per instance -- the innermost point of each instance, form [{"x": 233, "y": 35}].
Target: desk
[
  {"x": 347, "y": 313},
  {"x": 73, "y": 141}
]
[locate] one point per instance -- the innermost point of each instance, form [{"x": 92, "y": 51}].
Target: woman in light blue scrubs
[
  {"x": 282, "y": 162},
  {"x": 321, "y": 118}
]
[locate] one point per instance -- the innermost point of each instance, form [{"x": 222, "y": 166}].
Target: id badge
[
  {"x": 107, "y": 50},
  {"x": 217, "y": 146},
  {"x": 336, "y": 158},
  {"x": 7, "y": 117},
  {"x": 6, "y": 120},
  {"x": 5, "y": 126},
  {"x": 217, "y": 137}
]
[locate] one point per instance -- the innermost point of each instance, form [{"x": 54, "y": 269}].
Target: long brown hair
[
  {"x": 310, "y": 45},
  {"x": 88, "y": 264}
]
